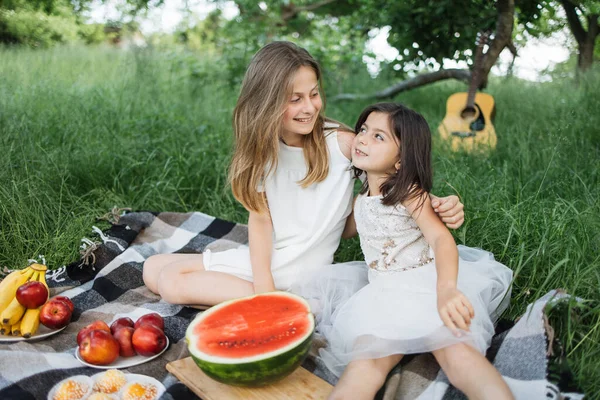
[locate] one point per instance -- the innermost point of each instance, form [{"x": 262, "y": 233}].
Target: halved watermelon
[{"x": 252, "y": 341}]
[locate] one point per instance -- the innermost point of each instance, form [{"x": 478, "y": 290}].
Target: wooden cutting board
[{"x": 301, "y": 384}]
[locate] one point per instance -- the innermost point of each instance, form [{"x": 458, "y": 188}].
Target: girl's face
[
  {"x": 375, "y": 147},
  {"x": 303, "y": 107}
]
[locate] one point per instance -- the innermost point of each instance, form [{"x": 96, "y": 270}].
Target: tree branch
[
  {"x": 513, "y": 50},
  {"x": 421, "y": 80},
  {"x": 574, "y": 22},
  {"x": 502, "y": 38}
]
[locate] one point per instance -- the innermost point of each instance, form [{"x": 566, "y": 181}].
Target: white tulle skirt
[{"x": 364, "y": 314}]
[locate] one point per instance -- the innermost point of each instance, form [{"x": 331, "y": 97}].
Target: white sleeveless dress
[
  {"x": 307, "y": 222},
  {"x": 388, "y": 305}
]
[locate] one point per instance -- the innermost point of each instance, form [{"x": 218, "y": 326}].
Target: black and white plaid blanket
[{"x": 111, "y": 286}]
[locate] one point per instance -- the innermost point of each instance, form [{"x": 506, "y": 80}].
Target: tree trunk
[
  {"x": 585, "y": 59},
  {"x": 502, "y": 38},
  {"x": 586, "y": 49},
  {"x": 585, "y": 39}
]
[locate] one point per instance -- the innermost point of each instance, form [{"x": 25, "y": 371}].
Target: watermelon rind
[
  {"x": 257, "y": 370},
  {"x": 257, "y": 373}
]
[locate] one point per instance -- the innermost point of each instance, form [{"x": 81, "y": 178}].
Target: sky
[{"x": 537, "y": 55}]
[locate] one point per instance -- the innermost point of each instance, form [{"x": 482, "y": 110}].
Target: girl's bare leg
[
  {"x": 181, "y": 279},
  {"x": 472, "y": 373},
  {"x": 363, "y": 378},
  {"x": 154, "y": 265}
]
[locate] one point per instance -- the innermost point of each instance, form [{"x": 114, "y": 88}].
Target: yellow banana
[
  {"x": 13, "y": 313},
  {"x": 43, "y": 280},
  {"x": 15, "y": 310},
  {"x": 5, "y": 329},
  {"x": 8, "y": 279},
  {"x": 10, "y": 284},
  {"x": 38, "y": 267},
  {"x": 15, "y": 329},
  {"x": 30, "y": 322}
]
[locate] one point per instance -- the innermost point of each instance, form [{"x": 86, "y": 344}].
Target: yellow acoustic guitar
[{"x": 468, "y": 121}]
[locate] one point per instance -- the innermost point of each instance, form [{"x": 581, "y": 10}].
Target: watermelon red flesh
[{"x": 252, "y": 327}]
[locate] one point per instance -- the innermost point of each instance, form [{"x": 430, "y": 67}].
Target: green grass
[{"x": 83, "y": 130}]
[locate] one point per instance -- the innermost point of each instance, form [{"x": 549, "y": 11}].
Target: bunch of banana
[{"x": 15, "y": 319}]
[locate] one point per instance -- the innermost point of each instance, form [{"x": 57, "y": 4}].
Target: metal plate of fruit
[
  {"x": 123, "y": 362},
  {"x": 42, "y": 333}
]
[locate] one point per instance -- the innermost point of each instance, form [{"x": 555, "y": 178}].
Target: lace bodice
[{"x": 389, "y": 237}]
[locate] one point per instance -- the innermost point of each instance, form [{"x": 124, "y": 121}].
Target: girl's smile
[{"x": 359, "y": 153}]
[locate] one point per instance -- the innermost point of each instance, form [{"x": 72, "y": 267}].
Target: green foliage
[
  {"x": 432, "y": 28},
  {"x": 92, "y": 33},
  {"x": 334, "y": 42},
  {"x": 44, "y": 24},
  {"x": 35, "y": 28}
]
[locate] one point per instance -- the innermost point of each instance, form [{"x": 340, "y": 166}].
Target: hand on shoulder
[{"x": 345, "y": 139}]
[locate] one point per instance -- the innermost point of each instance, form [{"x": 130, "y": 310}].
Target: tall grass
[{"x": 83, "y": 130}]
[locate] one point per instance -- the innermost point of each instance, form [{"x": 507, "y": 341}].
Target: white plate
[
  {"x": 123, "y": 362},
  {"x": 42, "y": 333},
  {"x": 78, "y": 378},
  {"x": 131, "y": 378}
]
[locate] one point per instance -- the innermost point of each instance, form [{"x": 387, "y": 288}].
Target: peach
[
  {"x": 90, "y": 327},
  {"x": 148, "y": 340},
  {"x": 119, "y": 323},
  {"x": 99, "y": 347},
  {"x": 152, "y": 319},
  {"x": 124, "y": 336}
]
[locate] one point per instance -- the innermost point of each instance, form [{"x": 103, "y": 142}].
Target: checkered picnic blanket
[{"x": 111, "y": 286}]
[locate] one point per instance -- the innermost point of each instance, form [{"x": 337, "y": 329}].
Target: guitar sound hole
[
  {"x": 479, "y": 123},
  {"x": 469, "y": 113}
]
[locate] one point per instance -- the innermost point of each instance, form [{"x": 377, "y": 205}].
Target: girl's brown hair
[
  {"x": 415, "y": 176},
  {"x": 258, "y": 122}
]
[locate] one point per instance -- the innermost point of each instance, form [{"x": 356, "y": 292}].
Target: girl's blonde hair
[{"x": 258, "y": 122}]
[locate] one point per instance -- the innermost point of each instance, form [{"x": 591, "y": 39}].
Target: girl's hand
[
  {"x": 455, "y": 309},
  {"x": 449, "y": 209}
]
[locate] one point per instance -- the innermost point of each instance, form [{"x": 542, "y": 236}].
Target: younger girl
[
  {"x": 291, "y": 171},
  {"x": 414, "y": 298}
]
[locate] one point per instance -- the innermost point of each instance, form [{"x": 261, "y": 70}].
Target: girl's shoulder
[{"x": 345, "y": 140}]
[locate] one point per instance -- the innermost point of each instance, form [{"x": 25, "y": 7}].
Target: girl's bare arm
[
  {"x": 454, "y": 308},
  {"x": 260, "y": 238}
]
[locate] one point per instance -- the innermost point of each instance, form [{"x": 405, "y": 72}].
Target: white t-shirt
[{"x": 307, "y": 222}]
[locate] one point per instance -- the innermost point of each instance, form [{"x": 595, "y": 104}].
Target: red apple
[
  {"x": 120, "y": 323},
  {"x": 148, "y": 340},
  {"x": 99, "y": 347},
  {"x": 96, "y": 325},
  {"x": 55, "y": 314},
  {"x": 124, "y": 336},
  {"x": 32, "y": 294},
  {"x": 66, "y": 300},
  {"x": 152, "y": 319}
]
